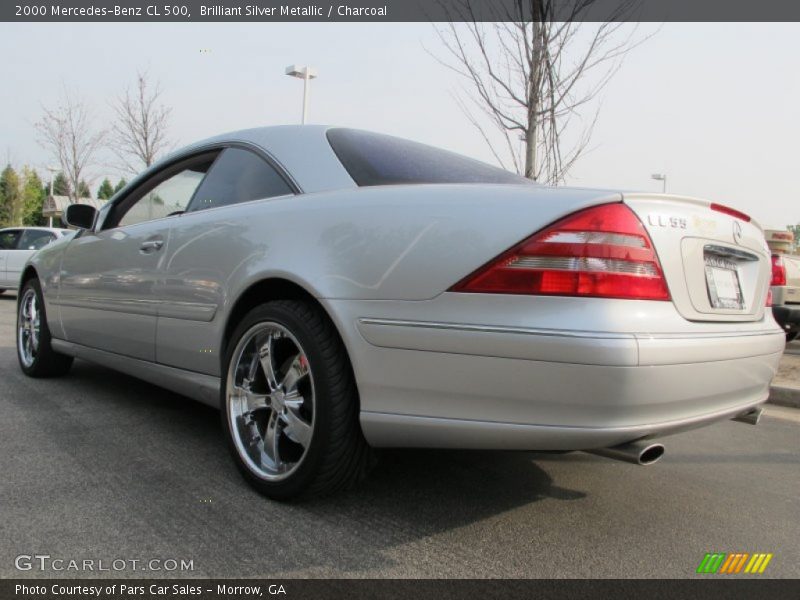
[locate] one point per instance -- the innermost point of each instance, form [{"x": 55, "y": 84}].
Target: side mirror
[{"x": 81, "y": 216}]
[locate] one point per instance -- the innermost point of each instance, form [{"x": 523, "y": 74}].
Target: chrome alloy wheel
[
  {"x": 29, "y": 324},
  {"x": 270, "y": 401}
]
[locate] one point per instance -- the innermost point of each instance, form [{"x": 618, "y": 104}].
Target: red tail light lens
[
  {"x": 778, "y": 270},
  {"x": 730, "y": 211},
  {"x": 603, "y": 252}
]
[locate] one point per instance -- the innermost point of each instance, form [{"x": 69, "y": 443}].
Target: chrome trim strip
[
  {"x": 707, "y": 335},
  {"x": 495, "y": 329},
  {"x": 730, "y": 252},
  {"x": 563, "y": 333},
  {"x": 189, "y": 311},
  {"x": 136, "y": 307}
]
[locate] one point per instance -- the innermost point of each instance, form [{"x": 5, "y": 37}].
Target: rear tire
[
  {"x": 2, "y": 292},
  {"x": 34, "y": 350},
  {"x": 290, "y": 404},
  {"x": 791, "y": 336}
]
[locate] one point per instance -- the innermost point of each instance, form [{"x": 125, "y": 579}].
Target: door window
[
  {"x": 33, "y": 239},
  {"x": 239, "y": 176},
  {"x": 166, "y": 193},
  {"x": 8, "y": 239}
]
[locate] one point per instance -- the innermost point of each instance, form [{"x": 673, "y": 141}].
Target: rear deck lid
[{"x": 716, "y": 263}]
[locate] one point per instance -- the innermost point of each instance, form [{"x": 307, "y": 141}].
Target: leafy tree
[
  {"x": 106, "y": 190},
  {"x": 83, "y": 190},
  {"x": 33, "y": 196},
  {"x": 9, "y": 197},
  {"x": 3, "y": 211},
  {"x": 795, "y": 229},
  {"x": 60, "y": 186},
  {"x": 122, "y": 183}
]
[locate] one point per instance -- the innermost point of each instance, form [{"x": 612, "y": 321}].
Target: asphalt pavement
[{"x": 100, "y": 466}]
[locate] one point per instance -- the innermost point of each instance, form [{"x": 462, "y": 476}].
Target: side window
[
  {"x": 239, "y": 176},
  {"x": 170, "y": 196},
  {"x": 8, "y": 239},
  {"x": 165, "y": 193},
  {"x": 33, "y": 239}
]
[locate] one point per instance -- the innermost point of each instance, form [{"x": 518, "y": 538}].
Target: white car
[
  {"x": 333, "y": 290},
  {"x": 17, "y": 245}
]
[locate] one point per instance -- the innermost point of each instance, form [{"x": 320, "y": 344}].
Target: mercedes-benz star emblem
[{"x": 737, "y": 232}]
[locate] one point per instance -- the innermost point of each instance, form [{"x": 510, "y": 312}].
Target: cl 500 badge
[{"x": 666, "y": 221}]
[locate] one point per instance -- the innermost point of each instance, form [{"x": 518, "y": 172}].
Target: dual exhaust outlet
[{"x": 644, "y": 453}]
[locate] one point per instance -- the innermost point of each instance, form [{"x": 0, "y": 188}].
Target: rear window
[
  {"x": 33, "y": 239},
  {"x": 377, "y": 159}
]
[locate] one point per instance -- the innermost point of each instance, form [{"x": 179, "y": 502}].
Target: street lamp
[
  {"x": 662, "y": 177},
  {"x": 52, "y": 170},
  {"x": 306, "y": 74}
]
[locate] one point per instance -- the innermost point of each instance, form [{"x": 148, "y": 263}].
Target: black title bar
[
  {"x": 397, "y": 10},
  {"x": 710, "y": 588}
]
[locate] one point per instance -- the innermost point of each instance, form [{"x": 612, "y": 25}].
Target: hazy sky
[{"x": 715, "y": 106}]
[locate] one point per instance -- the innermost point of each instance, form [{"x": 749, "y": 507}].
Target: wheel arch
[
  {"x": 27, "y": 274},
  {"x": 266, "y": 290}
]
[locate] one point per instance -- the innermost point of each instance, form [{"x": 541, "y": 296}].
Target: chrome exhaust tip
[
  {"x": 637, "y": 452},
  {"x": 751, "y": 417}
]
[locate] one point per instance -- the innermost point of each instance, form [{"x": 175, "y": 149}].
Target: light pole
[
  {"x": 662, "y": 177},
  {"x": 52, "y": 170},
  {"x": 306, "y": 74}
]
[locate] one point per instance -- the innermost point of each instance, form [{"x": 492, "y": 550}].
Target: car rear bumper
[
  {"x": 433, "y": 396},
  {"x": 449, "y": 384},
  {"x": 787, "y": 316}
]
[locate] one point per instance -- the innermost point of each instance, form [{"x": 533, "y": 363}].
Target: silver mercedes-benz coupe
[{"x": 335, "y": 290}]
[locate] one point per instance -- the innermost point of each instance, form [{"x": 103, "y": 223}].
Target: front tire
[
  {"x": 290, "y": 404},
  {"x": 34, "y": 350}
]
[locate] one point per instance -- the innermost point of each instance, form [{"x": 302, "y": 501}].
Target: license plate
[{"x": 722, "y": 279}]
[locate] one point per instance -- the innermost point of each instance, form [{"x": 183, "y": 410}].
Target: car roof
[
  {"x": 36, "y": 228},
  {"x": 302, "y": 150}
]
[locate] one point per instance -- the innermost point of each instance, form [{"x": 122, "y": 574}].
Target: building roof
[{"x": 55, "y": 205}]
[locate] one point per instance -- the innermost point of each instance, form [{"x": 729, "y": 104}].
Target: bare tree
[
  {"x": 534, "y": 71},
  {"x": 139, "y": 133},
  {"x": 67, "y": 131}
]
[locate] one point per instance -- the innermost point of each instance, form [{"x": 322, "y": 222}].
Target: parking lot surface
[{"x": 98, "y": 465}]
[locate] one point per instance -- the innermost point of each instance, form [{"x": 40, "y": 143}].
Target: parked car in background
[
  {"x": 333, "y": 290},
  {"x": 785, "y": 284},
  {"x": 17, "y": 245}
]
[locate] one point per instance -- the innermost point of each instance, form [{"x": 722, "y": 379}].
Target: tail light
[
  {"x": 730, "y": 211},
  {"x": 778, "y": 271},
  {"x": 603, "y": 252}
]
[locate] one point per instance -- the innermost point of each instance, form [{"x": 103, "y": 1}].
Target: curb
[{"x": 784, "y": 396}]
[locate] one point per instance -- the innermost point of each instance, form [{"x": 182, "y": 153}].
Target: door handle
[{"x": 151, "y": 246}]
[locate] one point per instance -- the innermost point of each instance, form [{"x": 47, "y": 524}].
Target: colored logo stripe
[
  {"x": 727, "y": 564},
  {"x": 758, "y": 563},
  {"x": 734, "y": 563},
  {"x": 711, "y": 563}
]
